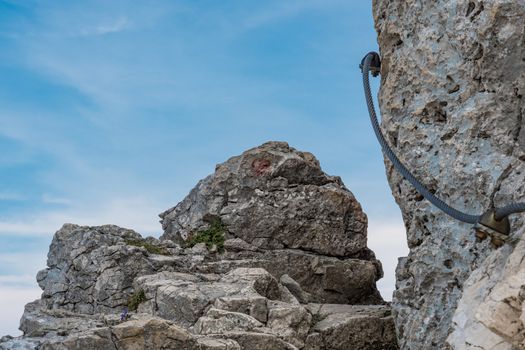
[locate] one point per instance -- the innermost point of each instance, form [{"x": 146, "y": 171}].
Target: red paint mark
[{"x": 261, "y": 166}]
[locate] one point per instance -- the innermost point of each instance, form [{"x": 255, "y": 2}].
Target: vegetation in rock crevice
[
  {"x": 136, "y": 299},
  {"x": 212, "y": 236},
  {"x": 151, "y": 248}
]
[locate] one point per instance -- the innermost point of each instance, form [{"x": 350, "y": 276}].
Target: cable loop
[{"x": 371, "y": 63}]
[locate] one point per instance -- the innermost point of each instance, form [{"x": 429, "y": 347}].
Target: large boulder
[
  {"x": 275, "y": 197},
  {"x": 452, "y": 81},
  {"x": 279, "y": 208}
]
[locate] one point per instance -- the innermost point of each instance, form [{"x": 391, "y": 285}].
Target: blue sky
[{"x": 111, "y": 111}]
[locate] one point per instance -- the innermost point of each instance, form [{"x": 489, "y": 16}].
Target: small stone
[{"x": 199, "y": 248}]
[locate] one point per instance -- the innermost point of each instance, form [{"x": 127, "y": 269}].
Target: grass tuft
[
  {"x": 212, "y": 236},
  {"x": 136, "y": 299}
]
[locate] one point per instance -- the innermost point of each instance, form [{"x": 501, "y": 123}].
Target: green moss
[
  {"x": 212, "y": 236},
  {"x": 136, "y": 299},
  {"x": 153, "y": 249}
]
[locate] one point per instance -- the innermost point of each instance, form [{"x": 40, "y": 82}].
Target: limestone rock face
[
  {"x": 491, "y": 311},
  {"x": 91, "y": 269},
  {"x": 341, "y": 325},
  {"x": 280, "y": 208},
  {"x": 275, "y": 197},
  {"x": 188, "y": 302},
  {"x": 107, "y": 287},
  {"x": 452, "y": 76}
]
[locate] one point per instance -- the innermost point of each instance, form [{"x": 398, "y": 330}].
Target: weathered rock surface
[
  {"x": 275, "y": 197},
  {"x": 491, "y": 311},
  {"x": 453, "y": 76},
  {"x": 281, "y": 209},
  {"x": 265, "y": 290},
  {"x": 341, "y": 325},
  {"x": 91, "y": 269}
]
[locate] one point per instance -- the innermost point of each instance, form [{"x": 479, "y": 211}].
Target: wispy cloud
[
  {"x": 50, "y": 199},
  {"x": 12, "y": 196},
  {"x": 11, "y": 281},
  {"x": 284, "y": 10},
  {"x": 136, "y": 213},
  {"x": 118, "y": 25},
  {"x": 12, "y": 272}
]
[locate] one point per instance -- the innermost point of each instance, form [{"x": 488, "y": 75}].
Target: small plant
[
  {"x": 136, "y": 299},
  {"x": 151, "y": 248},
  {"x": 212, "y": 236}
]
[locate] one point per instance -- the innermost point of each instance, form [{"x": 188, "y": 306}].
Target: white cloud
[
  {"x": 388, "y": 241},
  {"x": 284, "y": 10},
  {"x": 136, "y": 213},
  {"x": 118, "y": 25},
  {"x": 7, "y": 281},
  {"x": 12, "y": 302},
  {"x": 11, "y": 196},
  {"x": 20, "y": 268},
  {"x": 50, "y": 199}
]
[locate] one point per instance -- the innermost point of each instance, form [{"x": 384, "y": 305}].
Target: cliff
[{"x": 452, "y": 81}]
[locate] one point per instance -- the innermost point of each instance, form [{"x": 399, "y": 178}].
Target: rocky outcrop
[
  {"x": 452, "y": 81},
  {"x": 91, "y": 269},
  {"x": 212, "y": 283},
  {"x": 275, "y": 197},
  {"x": 281, "y": 209}
]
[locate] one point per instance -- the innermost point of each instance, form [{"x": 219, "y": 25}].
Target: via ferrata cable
[{"x": 492, "y": 219}]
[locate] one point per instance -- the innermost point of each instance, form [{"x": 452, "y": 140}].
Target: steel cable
[
  {"x": 456, "y": 214},
  {"x": 372, "y": 58}
]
